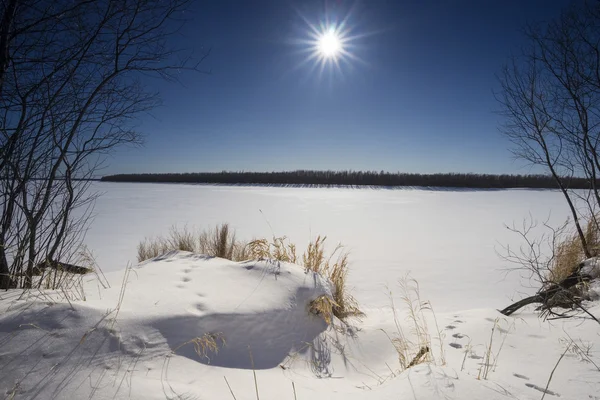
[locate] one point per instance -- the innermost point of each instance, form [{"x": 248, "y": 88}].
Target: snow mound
[
  {"x": 135, "y": 340},
  {"x": 258, "y": 309}
]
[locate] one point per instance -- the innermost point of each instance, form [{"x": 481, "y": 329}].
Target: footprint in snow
[
  {"x": 450, "y": 327},
  {"x": 521, "y": 376},
  {"x": 458, "y": 335},
  {"x": 198, "y": 309},
  {"x": 541, "y": 389},
  {"x": 456, "y": 345},
  {"x": 536, "y": 336},
  {"x": 186, "y": 279}
]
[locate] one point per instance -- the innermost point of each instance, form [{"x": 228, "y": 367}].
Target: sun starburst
[{"x": 329, "y": 44}]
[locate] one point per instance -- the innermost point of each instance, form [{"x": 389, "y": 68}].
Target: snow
[
  {"x": 129, "y": 340},
  {"x": 433, "y": 234}
]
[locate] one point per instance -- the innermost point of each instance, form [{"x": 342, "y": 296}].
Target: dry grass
[
  {"x": 414, "y": 346},
  {"x": 221, "y": 242},
  {"x": 279, "y": 249},
  {"x": 206, "y": 344},
  {"x": 216, "y": 242},
  {"x": 323, "y": 306},
  {"x": 152, "y": 248},
  {"x": 568, "y": 252},
  {"x": 342, "y": 304},
  {"x": 314, "y": 257}
]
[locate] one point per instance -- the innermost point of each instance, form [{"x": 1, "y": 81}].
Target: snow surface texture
[
  {"x": 94, "y": 349},
  {"x": 447, "y": 239},
  {"x": 104, "y": 348}
]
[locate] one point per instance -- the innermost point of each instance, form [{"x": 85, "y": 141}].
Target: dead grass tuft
[
  {"x": 314, "y": 256},
  {"x": 414, "y": 346},
  {"x": 216, "y": 242},
  {"x": 279, "y": 249},
  {"x": 205, "y": 344},
  {"x": 568, "y": 253},
  {"x": 152, "y": 248},
  {"x": 323, "y": 306},
  {"x": 181, "y": 239},
  {"x": 221, "y": 242},
  {"x": 345, "y": 305}
]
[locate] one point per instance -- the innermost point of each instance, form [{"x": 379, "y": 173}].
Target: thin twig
[
  {"x": 554, "y": 369},
  {"x": 254, "y": 372},
  {"x": 230, "y": 390}
]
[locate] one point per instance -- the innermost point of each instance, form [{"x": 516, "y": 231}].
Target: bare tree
[
  {"x": 71, "y": 87},
  {"x": 551, "y": 96},
  {"x": 551, "y": 100}
]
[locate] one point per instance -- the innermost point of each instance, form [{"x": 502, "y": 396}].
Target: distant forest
[{"x": 352, "y": 178}]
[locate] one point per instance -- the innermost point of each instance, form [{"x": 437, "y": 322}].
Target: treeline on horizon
[{"x": 356, "y": 178}]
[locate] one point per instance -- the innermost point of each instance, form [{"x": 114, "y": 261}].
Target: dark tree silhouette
[
  {"x": 357, "y": 178},
  {"x": 70, "y": 90}
]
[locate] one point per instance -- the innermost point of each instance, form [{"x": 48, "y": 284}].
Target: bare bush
[{"x": 552, "y": 261}]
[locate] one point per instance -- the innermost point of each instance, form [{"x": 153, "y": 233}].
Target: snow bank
[
  {"x": 136, "y": 343},
  {"x": 259, "y": 308}
]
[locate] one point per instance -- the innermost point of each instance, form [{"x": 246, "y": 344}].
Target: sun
[{"x": 329, "y": 44}]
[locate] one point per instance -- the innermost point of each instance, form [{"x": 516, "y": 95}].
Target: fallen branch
[
  {"x": 556, "y": 295},
  {"x": 61, "y": 266}
]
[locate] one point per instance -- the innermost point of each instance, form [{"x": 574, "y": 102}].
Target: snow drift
[{"x": 141, "y": 339}]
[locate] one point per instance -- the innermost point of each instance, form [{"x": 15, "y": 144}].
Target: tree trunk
[
  {"x": 7, "y": 18},
  {"x": 5, "y": 279}
]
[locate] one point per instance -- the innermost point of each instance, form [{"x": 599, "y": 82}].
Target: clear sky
[{"x": 416, "y": 95}]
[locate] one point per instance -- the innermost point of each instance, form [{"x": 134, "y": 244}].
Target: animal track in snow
[
  {"x": 521, "y": 376},
  {"x": 456, "y": 345},
  {"x": 541, "y": 389}
]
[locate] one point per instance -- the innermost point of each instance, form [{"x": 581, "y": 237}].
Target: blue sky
[{"x": 419, "y": 97}]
